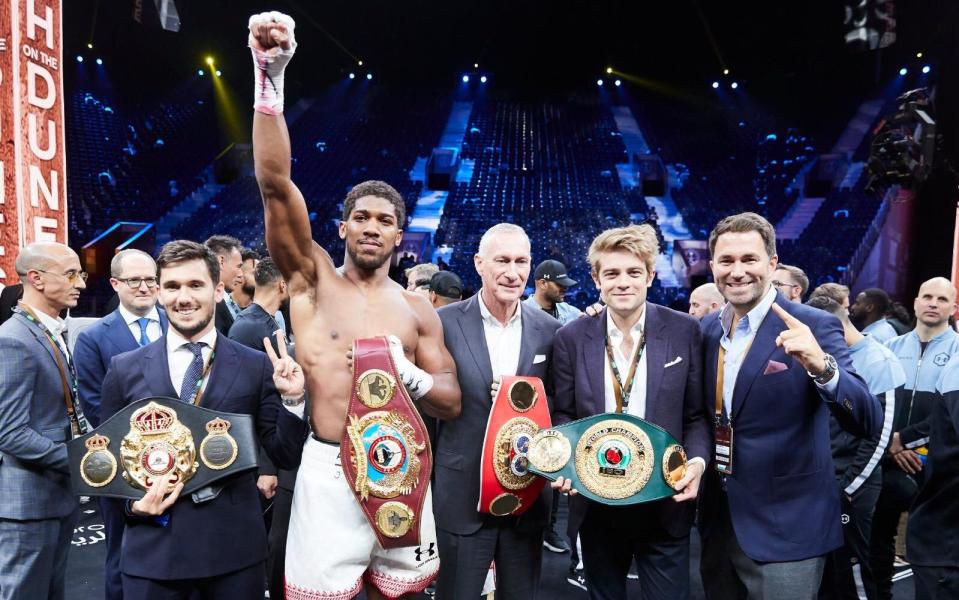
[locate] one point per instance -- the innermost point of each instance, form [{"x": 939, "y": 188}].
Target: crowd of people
[{"x": 809, "y": 429}]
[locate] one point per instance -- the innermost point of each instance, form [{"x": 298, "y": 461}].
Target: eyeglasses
[
  {"x": 134, "y": 282},
  {"x": 783, "y": 284},
  {"x": 70, "y": 275}
]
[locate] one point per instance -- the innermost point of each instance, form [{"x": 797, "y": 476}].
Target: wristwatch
[{"x": 831, "y": 367}]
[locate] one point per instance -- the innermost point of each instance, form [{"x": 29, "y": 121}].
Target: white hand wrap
[
  {"x": 417, "y": 381},
  {"x": 270, "y": 64}
]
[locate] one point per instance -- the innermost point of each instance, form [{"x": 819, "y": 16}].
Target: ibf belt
[
  {"x": 161, "y": 439},
  {"x": 389, "y": 452},
  {"x": 519, "y": 410},
  {"x": 611, "y": 458}
]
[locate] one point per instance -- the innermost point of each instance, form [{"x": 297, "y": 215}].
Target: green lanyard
[{"x": 622, "y": 389}]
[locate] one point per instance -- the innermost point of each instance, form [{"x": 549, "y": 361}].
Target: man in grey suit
[
  {"x": 37, "y": 393},
  {"x": 489, "y": 335}
]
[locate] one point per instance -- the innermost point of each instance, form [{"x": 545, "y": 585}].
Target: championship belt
[
  {"x": 390, "y": 459},
  {"x": 519, "y": 410},
  {"x": 611, "y": 458},
  {"x": 159, "y": 439}
]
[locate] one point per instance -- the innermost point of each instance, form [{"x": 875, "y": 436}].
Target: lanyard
[
  {"x": 623, "y": 388},
  {"x": 78, "y": 422},
  {"x": 720, "y": 377}
]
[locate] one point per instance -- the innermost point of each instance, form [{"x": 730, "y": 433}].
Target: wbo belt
[
  {"x": 611, "y": 458},
  {"x": 389, "y": 456},
  {"x": 519, "y": 410},
  {"x": 159, "y": 439}
]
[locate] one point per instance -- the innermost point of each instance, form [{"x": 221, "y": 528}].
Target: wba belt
[
  {"x": 611, "y": 458},
  {"x": 519, "y": 411},
  {"x": 156, "y": 439},
  {"x": 390, "y": 460}
]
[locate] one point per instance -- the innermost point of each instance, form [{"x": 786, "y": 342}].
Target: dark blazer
[
  {"x": 459, "y": 446},
  {"x": 226, "y": 533},
  {"x": 95, "y": 348},
  {"x": 783, "y": 499},
  {"x": 223, "y": 318},
  {"x": 674, "y": 394}
]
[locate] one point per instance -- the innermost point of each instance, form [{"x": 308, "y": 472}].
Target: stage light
[
  {"x": 360, "y": 63},
  {"x": 715, "y": 85},
  {"x": 79, "y": 58},
  {"x": 926, "y": 69},
  {"x": 352, "y": 75},
  {"x": 599, "y": 82},
  {"x": 209, "y": 60},
  {"x": 918, "y": 54},
  {"x": 466, "y": 78},
  {"x": 90, "y": 46},
  {"x": 903, "y": 71},
  {"x": 218, "y": 73},
  {"x": 609, "y": 70},
  {"x": 483, "y": 79},
  {"x": 369, "y": 76},
  {"x": 99, "y": 61},
  {"x": 617, "y": 83},
  {"x": 734, "y": 85},
  {"x": 725, "y": 71},
  {"x": 475, "y": 65},
  {"x": 200, "y": 72}
]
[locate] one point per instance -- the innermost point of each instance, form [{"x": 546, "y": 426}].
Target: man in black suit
[
  {"x": 174, "y": 547},
  {"x": 489, "y": 335},
  {"x": 229, "y": 254}
]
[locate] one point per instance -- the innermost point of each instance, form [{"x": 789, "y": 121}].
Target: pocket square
[
  {"x": 675, "y": 361},
  {"x": 774, "y": 366},
  {"x": 539, "y": 358}
]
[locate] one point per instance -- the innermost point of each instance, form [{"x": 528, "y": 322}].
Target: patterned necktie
[
  {"x": 143, "y": 322},
  {"x": 193, "y": 372}
]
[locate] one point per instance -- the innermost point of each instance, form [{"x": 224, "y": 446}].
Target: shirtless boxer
[{"x": 331, "y": 547}]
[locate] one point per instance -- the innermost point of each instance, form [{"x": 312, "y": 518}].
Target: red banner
[{"x": 34, "y": 201}]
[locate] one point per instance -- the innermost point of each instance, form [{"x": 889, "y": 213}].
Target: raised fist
[
  {"x": 272, "y": 43},
  {"x": 271, "y": 30}
]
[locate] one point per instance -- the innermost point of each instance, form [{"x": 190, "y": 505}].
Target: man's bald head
[
  {"x": 936, "y": 302},
  {"x": 52, "y": 276},
  {"x": 40, "y": 256},
  {"x": 704, "y": 300}
]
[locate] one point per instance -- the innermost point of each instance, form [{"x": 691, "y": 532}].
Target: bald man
[
  {"x": 704, "y": 300},
  {"x": 923, "y": 353},
  {"x": 38, "y": 412}
]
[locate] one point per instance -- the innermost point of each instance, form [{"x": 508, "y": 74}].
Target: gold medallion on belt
[
  {"x": 614, "y": 459},
  {"x": 157, "y": 447}
]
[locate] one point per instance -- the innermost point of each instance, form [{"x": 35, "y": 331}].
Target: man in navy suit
[
  {"x": 135, "y": 323},
  {"x": 774, "y": 370},
  {"x": 655, "y": 356},
  {"x": 175, "y": 547}
]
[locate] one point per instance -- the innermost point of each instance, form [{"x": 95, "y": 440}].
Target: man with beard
[
  {"x": 242, "y": 294},
  {"x": 774, "y": 371},
  {"x": 331, "y": 546},
  {"x": 213, "y": 546},
  {"x": 869, "y": 313},
  {"x": 923, "y": 353},
  {"x": 552, "y": 279},
  {"x": 229, "y": 253}
]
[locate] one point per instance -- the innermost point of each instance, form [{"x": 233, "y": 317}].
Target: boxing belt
[
  {"x": 159, "y": 439},
  {"x": 611, "y": 458},
  {"x": 388, "y": 457},
  {"x": 519, "y": 411}
]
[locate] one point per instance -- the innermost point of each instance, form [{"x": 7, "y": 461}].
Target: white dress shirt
[
  {"x": 502, "y": 341},
  {"x": 153, "y": 327},
  {"x": 55, "y": 325},
  {"x": 180, "y": 356},
  {"x": 637, "y": 395}
]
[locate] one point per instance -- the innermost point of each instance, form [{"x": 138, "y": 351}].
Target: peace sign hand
[
  {"x": 799, "y": 342},
  {"x": 287, "y": 375}
]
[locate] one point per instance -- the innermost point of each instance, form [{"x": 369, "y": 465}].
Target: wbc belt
[
  {"x": 390, "y": 460},
  {"x": 519, "y": 411},
  {"x": 159, "y": 439},
  {"x": 611, "y": 458}
]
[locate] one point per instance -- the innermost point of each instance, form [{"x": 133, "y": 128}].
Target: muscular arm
[{"x": 443, "y": 400}]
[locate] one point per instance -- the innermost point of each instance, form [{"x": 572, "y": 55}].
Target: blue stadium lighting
[
  {"x": 369, "y": 76},
  {"x": 617, "y": 83},
  {"x": 200, "y": 72},
  {"x": 903, "y": 71},
  {"x": 79, "y": 58},
  {"x": 483, "y": 79},
  {"x": 599, "y": 82},
  {"x": 715, "y": 85},
  {"x": 99, "y": 61},
  {"x": 466, "y": 78},
  {"x": 352, "y": 75},
  {"x": 926, "y": 69},
  {"x": 734, "y": 85}
]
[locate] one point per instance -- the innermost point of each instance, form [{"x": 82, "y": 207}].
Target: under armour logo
[
  {"x": 845, "y": 519},
  {"x": 430, "y": 551},
  {"x": 941, "y": 359}
]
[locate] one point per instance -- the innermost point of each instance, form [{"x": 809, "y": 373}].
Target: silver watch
[{"x": 831, "y": 367}]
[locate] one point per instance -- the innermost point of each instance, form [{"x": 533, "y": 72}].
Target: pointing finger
[{"x": 790, "y": 321}]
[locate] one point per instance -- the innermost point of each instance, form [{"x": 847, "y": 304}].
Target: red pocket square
[{"x": 774, "y": 366}]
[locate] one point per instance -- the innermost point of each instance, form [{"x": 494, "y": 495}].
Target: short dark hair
[
  {"x": 266, "y": 272},
  {"x": 223, "y": 244},
  {"x": 802, "y": 280},
  {"x": 829, "y": 305},
  {"x": 742, "y": 223},
  {"x": 249, "y": 254},
  {"x": 878, "y": 298},
  {"x": 179, "y": 251},
  {"x": 379, "y": 189}
]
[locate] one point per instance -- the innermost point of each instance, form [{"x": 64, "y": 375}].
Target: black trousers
[
  {"x": 936, "y": 583},
  {"x": 465, "y": 561},
  {"x": 898, "y": 491},
  {"x": 244, "y": 584},
  {"x": 614, "y": 536},
  {"x": 848, "y": 573}
]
